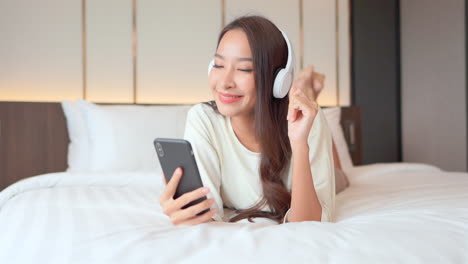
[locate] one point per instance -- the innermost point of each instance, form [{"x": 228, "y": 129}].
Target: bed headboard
[{"x": 34, "y": 139}]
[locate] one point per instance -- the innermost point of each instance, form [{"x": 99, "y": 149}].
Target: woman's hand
[
  {"x": 186, "y": 216},
  {"x": 302, "y": 105}
]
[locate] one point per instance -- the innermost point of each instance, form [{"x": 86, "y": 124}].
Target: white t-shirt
[{"x": 231, "y": 171}]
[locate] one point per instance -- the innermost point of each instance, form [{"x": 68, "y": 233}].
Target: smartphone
[{"x": 173, "y": 153}]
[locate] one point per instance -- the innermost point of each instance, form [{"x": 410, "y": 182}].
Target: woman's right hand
[{"x": 173, "y": 207}]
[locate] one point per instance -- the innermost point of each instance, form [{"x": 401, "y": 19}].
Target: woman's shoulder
[
  {"x": 204, "y": 114},
  {"x": 202, "y": 108},
  {"x": 203, "y": 121}
]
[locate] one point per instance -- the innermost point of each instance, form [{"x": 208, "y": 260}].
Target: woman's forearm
[{"x": 305, "y": 205}]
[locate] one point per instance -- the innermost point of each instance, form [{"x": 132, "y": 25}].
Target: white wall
[
  {"x": 40, "y": 50},
  {"x": 433, "y": 83},
  {"x": 176, "y": 41},
  {"x": 46, "y": 54},
  {"x": 109, "y": 71}
]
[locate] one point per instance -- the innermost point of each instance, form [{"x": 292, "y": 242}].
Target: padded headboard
[{"x": 34, "y": 139}]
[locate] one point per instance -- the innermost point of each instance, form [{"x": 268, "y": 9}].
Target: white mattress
[{"x": 392, "y": 213}]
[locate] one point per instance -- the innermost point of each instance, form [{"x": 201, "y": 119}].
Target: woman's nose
[{"x": 227, "y": 79}]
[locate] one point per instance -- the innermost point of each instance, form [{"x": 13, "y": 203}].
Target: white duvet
[{"x": 391, "y": 213}]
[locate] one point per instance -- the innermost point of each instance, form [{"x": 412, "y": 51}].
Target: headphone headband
[{"x": 290, "y": 54}]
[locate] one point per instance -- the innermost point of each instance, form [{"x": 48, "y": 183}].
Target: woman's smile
[{"x": 229, "y": 98}]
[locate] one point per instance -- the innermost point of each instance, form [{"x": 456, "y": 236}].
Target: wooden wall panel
[{"x": 33, "y": 140}]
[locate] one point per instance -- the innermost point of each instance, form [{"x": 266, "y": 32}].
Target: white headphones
[{"x": 284, "y": 77}]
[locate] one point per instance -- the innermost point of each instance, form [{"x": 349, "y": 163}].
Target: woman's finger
[
  {"x": 190, "y": 196},
  {"x": 186, "y": 198},
  {"x": 295, "y": 111},
  {"x": 206, "y": 217},
  {"x": 172, "y": 185},
  {"x": 192, "y": 211},
  {"x": 199, "y": 207},
  {"x": 293, "y": 89},
  {"x": 310, "y": 82},
  {"x": 302, "y": 93},
  {"x": 292, "y": 111},
  {"x": 319, "y": 77},
  {"x": 304, "y": 105},
  {"x": 307, "y": 71},
  {"x": 318, "y": 84}
]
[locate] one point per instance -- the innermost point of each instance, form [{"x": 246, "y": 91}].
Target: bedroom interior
[{"x": 79, "y": 76}]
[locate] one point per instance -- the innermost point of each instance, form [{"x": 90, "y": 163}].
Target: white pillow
[
  {"x": 78, "y": 147},
  {"x": 333, "y": 116},
  {"x": 120, "y": 137}
]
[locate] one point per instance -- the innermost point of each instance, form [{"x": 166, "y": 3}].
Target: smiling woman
[
  {"x": 232, "y": 79},
  {"x": 258, "y": 153}
]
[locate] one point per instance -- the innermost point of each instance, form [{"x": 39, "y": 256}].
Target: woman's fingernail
[{"x": 205, "y": 190}]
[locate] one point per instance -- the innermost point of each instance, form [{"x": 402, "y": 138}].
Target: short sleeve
[
  {"x": 199, "y": 132},
  {"x": 322, "y": 165}
]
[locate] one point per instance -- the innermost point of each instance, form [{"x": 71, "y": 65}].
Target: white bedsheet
[{"x": 392, "y": 213}]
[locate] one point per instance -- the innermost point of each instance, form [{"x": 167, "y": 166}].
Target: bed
[{"x": 390, "y": 213}]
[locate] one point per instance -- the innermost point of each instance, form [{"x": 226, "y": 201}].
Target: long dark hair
[{"x": 269, "y": 51}]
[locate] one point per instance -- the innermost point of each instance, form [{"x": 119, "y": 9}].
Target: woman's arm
[
  {"x": 305, "y": 205},
  {"x": 312, "y": 189},
  {"x": 313, "y": 173}
]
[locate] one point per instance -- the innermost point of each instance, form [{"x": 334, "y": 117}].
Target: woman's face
[{"x": 232, "y": 78}]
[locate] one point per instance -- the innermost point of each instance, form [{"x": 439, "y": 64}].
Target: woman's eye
[{"x": 221, "y": 66}]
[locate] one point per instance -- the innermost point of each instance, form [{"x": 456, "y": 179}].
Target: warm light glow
[
  {"x": 328, "y": 100},
  {"x": 38, "y": 93},
  {"x": 167, "y": 96}
]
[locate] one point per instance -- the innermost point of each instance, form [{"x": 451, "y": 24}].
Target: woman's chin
[{"x": 226, "y": 110}]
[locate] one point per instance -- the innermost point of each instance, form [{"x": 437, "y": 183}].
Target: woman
[{"x": 263, "y": 156}]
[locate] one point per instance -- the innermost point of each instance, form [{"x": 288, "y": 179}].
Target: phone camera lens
[{"x": 159, "y": 149}]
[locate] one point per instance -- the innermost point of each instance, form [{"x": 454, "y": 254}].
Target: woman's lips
[{"x": 229, "y": 98}]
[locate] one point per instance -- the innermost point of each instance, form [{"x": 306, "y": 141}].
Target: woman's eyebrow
[{"x": 239, "y": 59}]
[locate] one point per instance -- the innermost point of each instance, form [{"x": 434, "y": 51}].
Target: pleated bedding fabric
[{"x": 391, "y": 213}]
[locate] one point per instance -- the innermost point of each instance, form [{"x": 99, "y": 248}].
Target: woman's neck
[{"x": 244, "y": 128}]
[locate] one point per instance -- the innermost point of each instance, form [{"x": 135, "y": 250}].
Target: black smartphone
[{"x": 173, "y": 153}]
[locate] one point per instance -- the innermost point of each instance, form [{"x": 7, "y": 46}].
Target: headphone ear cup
[
  {"x": 210, "y": 66},
  {"x": 278, "y": 84},
  {"x": 287, "y": 83}
]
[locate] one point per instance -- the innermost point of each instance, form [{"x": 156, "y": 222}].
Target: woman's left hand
[{"x": 302, "y": 105}]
